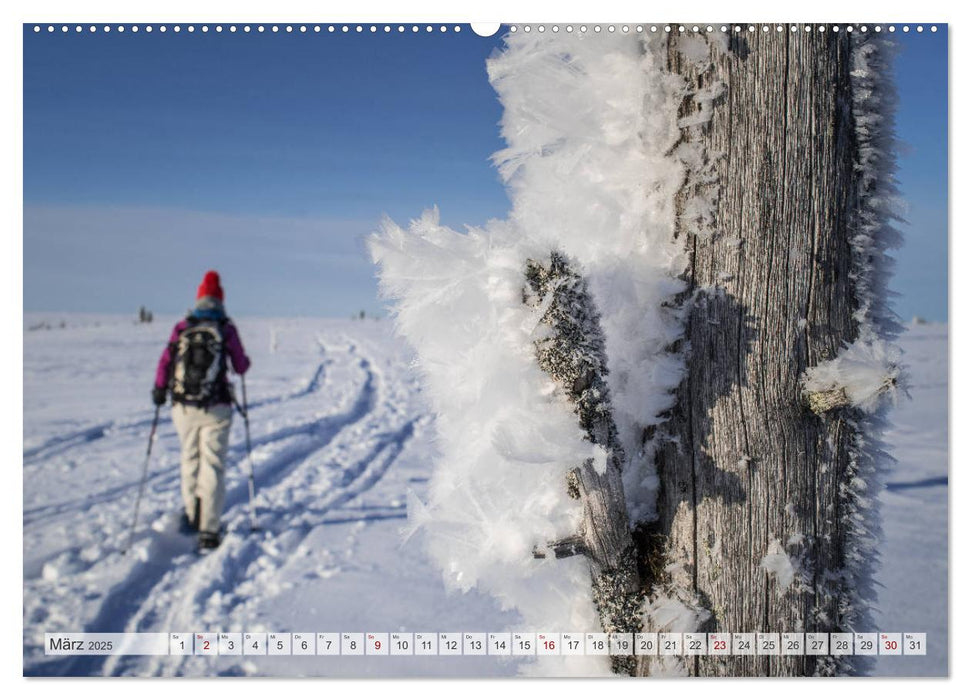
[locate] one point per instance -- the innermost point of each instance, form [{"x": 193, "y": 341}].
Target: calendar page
[{"x": 425, "y": 349}]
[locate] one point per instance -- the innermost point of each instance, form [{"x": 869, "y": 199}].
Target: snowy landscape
[
  {"x": 343, "y": 448},
  {"x": 662, "y": 387}
]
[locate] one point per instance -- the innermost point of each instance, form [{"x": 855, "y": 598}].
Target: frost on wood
[
  {"x": 860, "y": 376},
  {"x": 877, "y": 209},
  {"x": 571, "y": 352},
  {"x": 777, "y": 564},
  {"x": 718, "y": 196},
  {"x": 878, "y": 205},
  {"x": 505, "y": 442},
  {"x": 788, "y": 271},
  {"x": 590, "y": 124},
  {"x": 697, "y": 200}
]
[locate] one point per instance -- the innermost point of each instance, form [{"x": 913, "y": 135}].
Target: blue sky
[
  {"x": 921, "y": 274},
  {"x": 149, "y": 158}
]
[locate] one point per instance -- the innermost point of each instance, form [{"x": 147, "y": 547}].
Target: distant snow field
[
  {"x": 341, "y": 437},
  {"x": 912, "y": 575}
]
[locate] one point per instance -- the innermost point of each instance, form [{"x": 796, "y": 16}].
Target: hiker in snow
[{"x": 193, "y": 368}]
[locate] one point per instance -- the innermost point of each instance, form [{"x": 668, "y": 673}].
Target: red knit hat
[{"x": 210, "y": 286}]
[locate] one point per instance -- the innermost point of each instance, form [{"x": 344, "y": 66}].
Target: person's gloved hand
[{"x": 159, "y": 395}]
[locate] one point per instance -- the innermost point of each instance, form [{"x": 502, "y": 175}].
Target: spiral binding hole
[{"x": 513, "y": 28}]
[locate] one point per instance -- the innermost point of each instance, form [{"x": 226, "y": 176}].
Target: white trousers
[{"x": 204, "y": 434}]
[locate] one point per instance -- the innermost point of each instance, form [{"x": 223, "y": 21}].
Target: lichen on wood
[
  {"x": 571, "y": 351},
  {"x": 821, "y": 402}
]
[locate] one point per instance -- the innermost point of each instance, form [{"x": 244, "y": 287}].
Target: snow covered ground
[
  {"x": 913, "y": 572},
  {"x": 340, "y": 436}
]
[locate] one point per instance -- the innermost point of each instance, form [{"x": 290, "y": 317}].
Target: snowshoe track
[
  {"x": 308, "y": 475},
  {"x": 60, "y": 444}
]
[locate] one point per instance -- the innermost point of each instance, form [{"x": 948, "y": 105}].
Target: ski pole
[
  {"x": 141, "y": 484},
  {"x": 249, "y": 460}
]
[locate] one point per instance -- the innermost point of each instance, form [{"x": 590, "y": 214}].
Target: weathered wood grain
[{"x": 742, "y": 461}]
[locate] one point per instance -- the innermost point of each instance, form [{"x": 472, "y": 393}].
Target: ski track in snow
[
  {"x": 71, "y": 440},
  {"x": 311, "y": 473},
  {"x": 339, "y": 438}
]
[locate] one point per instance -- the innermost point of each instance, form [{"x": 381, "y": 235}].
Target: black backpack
[{"x": 198, "y": 375}]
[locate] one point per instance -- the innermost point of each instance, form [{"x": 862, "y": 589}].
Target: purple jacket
[{"x": 234, "y": 348}]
